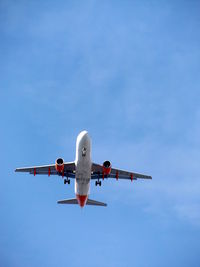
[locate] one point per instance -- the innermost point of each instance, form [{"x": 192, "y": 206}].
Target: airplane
[{"x": 83, "y": 170}]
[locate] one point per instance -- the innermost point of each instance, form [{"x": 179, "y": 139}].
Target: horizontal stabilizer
[
  {"x": 89, "y": 202},
  {"x": 68, "y": 201},
  {"x": 95, "y": 203}
]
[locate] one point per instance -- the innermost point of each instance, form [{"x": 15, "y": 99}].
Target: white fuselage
[{"x": 83, "y": 164}]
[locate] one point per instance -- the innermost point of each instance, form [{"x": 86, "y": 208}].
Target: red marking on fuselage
[
  {"x": 49, "y": 172},
  {"x": 34, "y": 171},
  {"x": 82, "y": 199}
]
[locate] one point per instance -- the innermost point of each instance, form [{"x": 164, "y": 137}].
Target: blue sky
[{"x": 128, "y": 72}]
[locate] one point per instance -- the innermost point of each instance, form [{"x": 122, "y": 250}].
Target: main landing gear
[
  {"x": 66, "y": 181},
  {"x": 98, "y": 183}
]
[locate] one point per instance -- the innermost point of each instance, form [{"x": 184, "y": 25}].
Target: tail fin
[{"x": 89, "y": 202}]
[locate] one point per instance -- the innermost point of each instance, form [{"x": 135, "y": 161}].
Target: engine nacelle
[
  {"x": 59, "y": 165},
  {"x": 106, "y": 167}
]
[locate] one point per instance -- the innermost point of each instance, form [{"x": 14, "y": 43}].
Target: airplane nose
[
  {"x": 84, "y": 133},
  {"x": 83, "y": 136}
]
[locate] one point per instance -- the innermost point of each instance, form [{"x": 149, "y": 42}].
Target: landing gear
[
  {"x": 98, "y": 183},
  {"x": 66, "y": 181}
]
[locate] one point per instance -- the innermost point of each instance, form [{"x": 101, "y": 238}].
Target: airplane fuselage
[{"x": 83, "y": 167}]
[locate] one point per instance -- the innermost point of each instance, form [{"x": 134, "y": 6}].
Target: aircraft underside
[{"x": 83, "y": 170}]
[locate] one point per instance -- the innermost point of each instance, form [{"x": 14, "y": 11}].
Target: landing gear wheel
[
  {"x": 66, "y": 181},
  {"x": 98, "y": 183}
]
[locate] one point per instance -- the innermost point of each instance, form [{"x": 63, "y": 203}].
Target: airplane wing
[
  {"x": 97, "y": 173},
  {"x": 69, "y": 169}
]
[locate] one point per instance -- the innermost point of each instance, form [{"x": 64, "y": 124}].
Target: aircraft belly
[
  {"x": 82, "y": 189},
  {"x": 83, "y": 165},
  {"x": 83, "y": 176}
]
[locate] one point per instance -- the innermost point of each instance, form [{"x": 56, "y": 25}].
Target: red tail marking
[
  {"x": 34, "y": 171},
  {"x": 49, "y": 172},
  {"x": 82, "y": 199}
]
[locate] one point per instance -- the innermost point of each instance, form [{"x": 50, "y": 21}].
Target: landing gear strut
[
  {"x": 66, "y": 181},
  {"x": 98, "y": 183}
]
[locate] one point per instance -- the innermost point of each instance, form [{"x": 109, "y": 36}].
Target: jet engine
[
  {"x": 106, "y": 167},
  {"x": 59, "y": 165}
]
